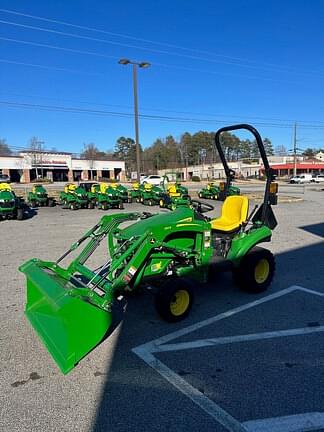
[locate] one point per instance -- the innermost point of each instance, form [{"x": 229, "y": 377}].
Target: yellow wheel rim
[
  {"x": 161, "y": 203},
  {"x": 180, "y": 302},
  {"x": 261, "y": 271}
]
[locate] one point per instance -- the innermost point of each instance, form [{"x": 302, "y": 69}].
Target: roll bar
[{"x": 269, "y": 172}]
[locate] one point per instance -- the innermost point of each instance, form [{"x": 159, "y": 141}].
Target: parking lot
[{"x": 239, "y": 362}]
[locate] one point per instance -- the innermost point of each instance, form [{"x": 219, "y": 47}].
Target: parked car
[
  {"x": 4, "y": 178},
  {"x": 152, "y": 179},
  {"x": 302, "y": 178},
  {"x": 318, "y": 179}
]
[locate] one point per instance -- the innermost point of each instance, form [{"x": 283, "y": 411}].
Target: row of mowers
[{"x": 170, "y": 254}]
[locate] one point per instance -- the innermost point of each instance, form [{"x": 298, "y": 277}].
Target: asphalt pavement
[{"x": 256, "y": 364}]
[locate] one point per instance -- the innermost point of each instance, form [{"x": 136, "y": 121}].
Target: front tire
[
  {"x": 256, "y": 271},
  {"x": 20, "y": 214},
  {"x": 174, "y": 299}
]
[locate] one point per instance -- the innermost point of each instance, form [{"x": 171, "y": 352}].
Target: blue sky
[{"x": 244, "y": 61}]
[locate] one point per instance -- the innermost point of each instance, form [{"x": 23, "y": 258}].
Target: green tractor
[
  {"x": 38, "y": 197},
  {"x": 150, "y": 194},
  {"x": 74, "y": 197},
  {"x": 212, "y": 191},
  {"x": 170, "y": 254},
  {"x": 11, "y": 206},
  {"x": 175, "y": 196},
  {"x": 123, "y": 192},
  {"x": 134, "y": 194},
  {"x": 108, "y": 197}
]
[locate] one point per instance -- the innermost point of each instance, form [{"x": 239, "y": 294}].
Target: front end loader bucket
[{"x": 69, "y": 326}]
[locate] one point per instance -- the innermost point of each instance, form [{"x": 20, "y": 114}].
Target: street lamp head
[
  {"x": 144, "y": 65},
  {"x": 124, "y": 61}
]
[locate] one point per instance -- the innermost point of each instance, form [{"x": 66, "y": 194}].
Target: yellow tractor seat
[
  {"x": 148, "y": 186},
  {"x": 135, "y": 186},
  {"x": 172, "y": 191},
  {"x": 69, "y": 187},
  {"x": 234, "y": 213},
  {"x": 5, "y": 187}
]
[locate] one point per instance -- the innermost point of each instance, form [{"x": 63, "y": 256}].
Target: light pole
[{"x": 141, "y": 65}]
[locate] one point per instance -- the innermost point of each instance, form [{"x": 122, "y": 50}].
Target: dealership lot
[{"x": 257, "y": 359}]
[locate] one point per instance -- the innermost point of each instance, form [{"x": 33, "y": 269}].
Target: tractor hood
[
  {"x": 6, "y": 196},
  {"x": 161, "y": 222}
]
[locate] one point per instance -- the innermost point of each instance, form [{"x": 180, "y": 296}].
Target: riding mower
[
  {"x": 150, "y": 194},
  {"x": 175, "y": 196},
  {"x": 134, "y": 194},
  {"x": 212, "y": 191},
  {"x": 38, "y": 197},
  {"x": 74, "y": 197},
  {"x": 123, "y": 192},
  {"x": 109, "y": 197},
  {"x": 71, "y": 305},
  {"x": 11, "y": 206}
]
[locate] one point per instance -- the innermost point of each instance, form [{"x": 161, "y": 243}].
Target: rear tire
[
  {"x": 50, "y": 202},
  {"x": 91, "y": 205},
  {"x": 74, "y": 206},
  {"x": 174, "y": 299},
  {"x": 33, "y": 204},
  {"x": 20, "y": 214},
  {"x": 150, "y": 202},
  {"x": 256, "y": 271},
  {"x": 200, "y": 195},
  {"x": 121, "y": 206},
  {"x": 104, "y": 206}
]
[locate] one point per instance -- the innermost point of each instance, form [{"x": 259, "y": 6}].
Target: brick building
[{"x": 58, "y": 166}]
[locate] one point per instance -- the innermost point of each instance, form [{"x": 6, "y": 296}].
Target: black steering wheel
[{"x": 201, "y": 207}]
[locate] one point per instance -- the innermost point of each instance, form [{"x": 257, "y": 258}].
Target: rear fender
[{"x": 244, "y": 242}]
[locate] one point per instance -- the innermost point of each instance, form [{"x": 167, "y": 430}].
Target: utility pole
[
  {"x": 141, "y": 65},
  {"x": 295, "y": 148}
]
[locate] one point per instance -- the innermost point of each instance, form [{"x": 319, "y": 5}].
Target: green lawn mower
[
  {"x": 108, "y": 197},
  {"x": 150, "y": 194},
  {"x": 175, "y": 196},
  {"x": 212, "y": 191},
  {"x": 74, "y": 197},
  {"x": 38, "y": 197},
  {"x": 123, "y": 192},
  {"x": 134, "y": 194},
  {"x": 11, "y": 206},
  {"x": 70, "y": 303}
]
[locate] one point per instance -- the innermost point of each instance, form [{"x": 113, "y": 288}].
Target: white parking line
[
  {"x": 294, "y": 423},
  {"x": 302, "y": 422}
]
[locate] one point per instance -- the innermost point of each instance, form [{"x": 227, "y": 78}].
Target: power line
[
  {"x": 241, "y": 116},
  {"x": 50, "y": 67},
  {"x": 91, "y": 53},
  {"x": 65, "y": 23},
  {"x": 77, "y": 110},
  {"x": 77, "y": 36}
]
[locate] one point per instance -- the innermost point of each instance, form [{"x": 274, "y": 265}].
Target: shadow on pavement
[
  {"x": 317, "y": 229},
  {"x": 135, "y": 397}
]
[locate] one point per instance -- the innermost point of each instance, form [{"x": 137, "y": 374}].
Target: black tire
[
  {"x": 20, "y": 214},
  {"x": 121, "y": 206},
  {"x": 200, "y": 195},
  {"x": 33, "y": 204},
  {"x": 169, "y": 306},
  {"x": 130, "y": 200},
  {"x": 65, "y": 204},
  {"x": 256, "y": 271},
  {"x": 91, "y": 205},
  {"x": 74, "y": 206},
  {"x": 50, "y": 202},
  {"x": 104, "y": 206},
  {"x": 150, "y": 202}
]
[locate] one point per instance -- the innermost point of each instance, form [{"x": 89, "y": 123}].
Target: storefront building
[{"x": 55, "y": 166}]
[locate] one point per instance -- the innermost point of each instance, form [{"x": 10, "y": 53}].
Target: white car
[
  {"x": 318, "y": 179},
  {"x": 302, "y": 178},
  {"x": 152, "y": 179}
]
